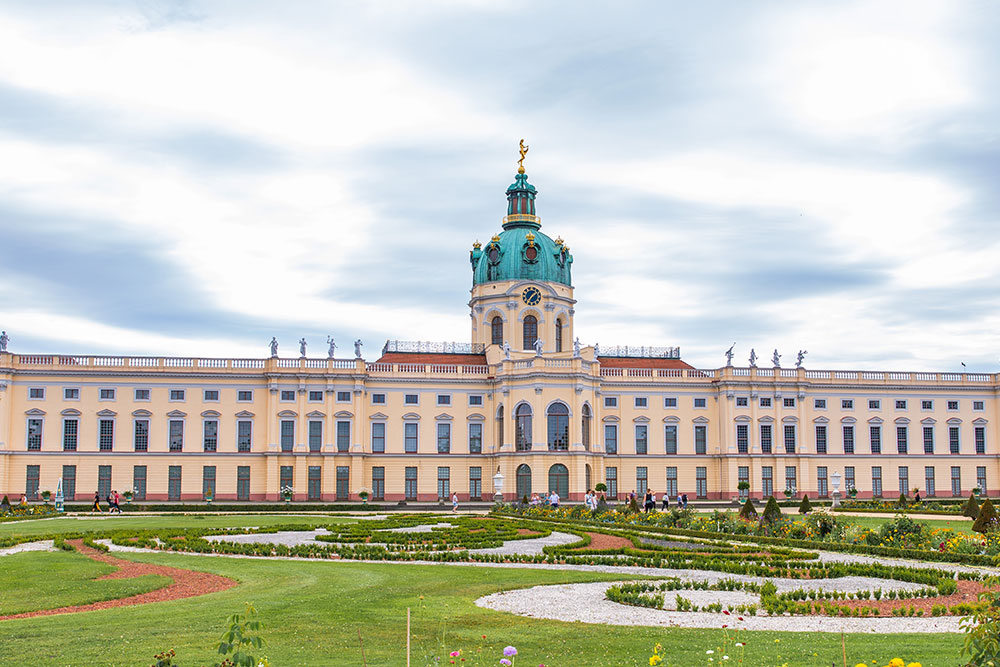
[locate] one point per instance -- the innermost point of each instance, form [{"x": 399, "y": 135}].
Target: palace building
[{"x": 521, "y": 398}]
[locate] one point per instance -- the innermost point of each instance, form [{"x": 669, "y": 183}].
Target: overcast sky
[{"x": 193, "y": 178}]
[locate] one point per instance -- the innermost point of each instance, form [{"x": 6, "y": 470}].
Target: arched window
[
  {"x": 523, "y": 428},
  {"x": 500, "y": 427},
  {"x": 523, "y": 481},
  {"x": 558, "y": 423},
  {"x": 587, "y": 480},
  {"x": 530, "y": 332},
  {"x": 585, "y": 427},
  {"x": 496, "y": 331},
  {"x": 559, "y": 329},
  {"x": 559, "y": 480}
]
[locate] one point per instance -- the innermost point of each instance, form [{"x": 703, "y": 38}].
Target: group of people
[
  {"x": 552, "y": 499},
  {"x": 113, "y": 500},
  {"x": 649, "y": 500}
]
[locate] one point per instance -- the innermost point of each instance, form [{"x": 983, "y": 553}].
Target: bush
[
  {"x": 902, "y": 502},
  {"x": 633, "y": 505},
  {"x": 748, "y": 511},
  {"x": 772, "y": 513},
  {"x": 987, "y": 518},
  {"x": 601, "y": 487},
  {"x": 5, "y": 504},
  {"x": 971, "y": 508},
  {"x": 805, "y": 507}
]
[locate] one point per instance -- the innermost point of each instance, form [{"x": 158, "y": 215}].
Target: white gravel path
[
  {"x": 586, "y": 603},
  {"x": 422, "y": 528},
  {"x": 530, "y": 547},
  {"x": 289, "y": 538},
  {"x": 44, "y": 545}
]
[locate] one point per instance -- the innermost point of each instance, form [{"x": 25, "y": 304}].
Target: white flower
[{"x": 709, "y": 652}]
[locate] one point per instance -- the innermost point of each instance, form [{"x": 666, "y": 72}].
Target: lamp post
[
  {"x": 59, "y": 497},
  {"x": 836, "y": 489},
  {"x": 498, "y": 486}
]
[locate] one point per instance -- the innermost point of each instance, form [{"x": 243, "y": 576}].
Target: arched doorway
[
  {"x": 559, "y": 480},
  {"x": 523, "y": 481}
]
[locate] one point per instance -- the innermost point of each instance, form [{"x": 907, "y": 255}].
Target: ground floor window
[
  {"x": 378, "y": 483},
  {"x": 410, "y": 484},
  {"x": 139, "y": 482},
  {"x": 103, "y": 481},
  {"x": 701, "y": 482},
  {"x": 475, "y": 483},
  {"x": 242, "y": 482},
  {"x": 904, "y": 480},
  {"x": 743, "y": 475},
  {"x": 876, "y": 481},
  {"x": 444, "y": 482},
  {"x": 956, "y": 481},
  {"x": 286, "y": 479},
  {"x": 343, "y": 482},
  {"x": 611, "y": 474},
  {"x": 929, "y": 481},
  {"x": 31, "y": 483},
  {"x": 174, "y": 483},
  {"x": 671, "y": 482},
  {"x": 559, "y": 480},
  {"x": 822, "y": 489},
  {"x": 641, "y": 481},
  {"x": 981, "y": 479},
  {"x": 523, "y": 481},
  {"x": 767, "y": 481},
  {"x": 208, "y": 482},
  {"x": 315, "y": 489}
]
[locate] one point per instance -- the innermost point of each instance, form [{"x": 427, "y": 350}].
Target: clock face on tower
[{"x": 531, "y": 296}]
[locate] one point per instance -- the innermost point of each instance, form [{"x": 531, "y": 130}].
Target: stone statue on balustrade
[
  {"x": 576, "y": 348},
  {"x": 4, "y": 339},
  {"x": 800, "y": 357},
  {"x": 274, "y": 347},
  {"x": 729, "y": 355},
  {"x": 597, "y": 350},
  {"x": 776, "y": 359},
  {"x": 302, "y": 347},
  {"x": 332, "y": 348},
  {"x": 506, "y": 350},
  {"x": 753, "y": 358},
  {"x": 357, "y": 348},
  {"x": 538, "y": 347}
]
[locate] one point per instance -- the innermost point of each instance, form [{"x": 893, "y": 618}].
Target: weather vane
[{"x": 520, "y": 163}]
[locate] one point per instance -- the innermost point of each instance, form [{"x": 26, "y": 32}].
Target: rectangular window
[
  {"x": 978, "y": 406},
  {"x": 902, "y": 439},
  {"x": 107, "y": 394},
  {"x": 928, "y": 440},
  {"x": 36, "y": 393},
  {"x": 641, "y": 402},
  {"x": 175, "y": 438},
  {"x": 314, "y": 488},
  {"x": 69, "y": 483},
  {"x": 819, "y": 404},
  {"x": 742, "y": 438},
  {"x": 929, "y": 481},
  {"x": 700, "y": 402},
  {"x": 877, "y": 481},
  {"x": 286, "y": 478},
  {"x": 106, "y": 435},
  {"x": 953, "y": 439},
  {"x": 765, "y": 402},
  {"x": 73, "y": 394},
  {"x": 821, "y": 439},
  {"x": 874, "y": 404},
  {"x": 476, "y": 400},
  {"x": 343, "y": 397},
  {"x": 32, "y": 476},
  {"x": 956, "y": 481},
  {"x": 207, "y": 482},
  {"x": 177, "y": 394},
  {"x": 343, "y": 482},
  {"x": 315, "y": 396},
  {"x": 34, "y": 434},
  {"x": 378, "y": 437},
  {"x": 287, "y": 435},
  {"x": 742, "y": 402},
  {"x": 244, "y": 435},
  {"x": 671, "y": 489},
  {"x": 139, "y": 482},
  {"x": 641, "y": 441},
  {"x": 444, "y": 399},
  {"x": 444, "y": 438},
  {"x": 378, "y": 483},
  {"x": 411, "y": 399},
  {"x": 670, "y": 439},
  {"x": 822, "y": 486},
  {"x": 904, "y": 480},
  {"x": 611, "y": 401},
  {"x": 174, "y": 483},
  {"x": 788, "y": 402},
  {"x": 743, "y": 477},
  {"x": 611, "y": 478},
  {"x": 848, "y": 439},
  {"x": 244, "y": 395},
  {"x": 900, "y": 405},
  {"x": 926, "y": 405},
  {"x": 670, "y": 402},
  {"x": 70, "y": 433},
  {"x": 849, "y": 478},
  {"x": 475, "y": 438},
  {"x": 287, "y": 395},
  {"x": 410, "y": 484},
  {"x": 444, "y": 482},
  {"x": 378, "y": 399},
  {"x": 104, "y": 482},
  {"x": 700, "y": 439},
  {"x": 953, "y": 405},
  {"x": 475, "y": 483},
  {"x": 765, "y": 438},
  {"x": 343, "y": 436},
  {"x": 410, "y": 437},
  {"x": 242, "y": 482},
  {"x": 211, "y": 395},
  {"x": 875, "y": 439},
  {"x": 980, "y": 432},
  {"x": 767, "y": 481},
  {"x": 701, "y": 482},
  {"x": 790, "y": 482},
  {"x": 140, "y": 435},
  {"x": 142, "y": 394},
  {"x": 211, "y": 435},
  {"x": 847, "y": 404},
  {"x": 610, "y": 439},
  {"x": 789, "y": 438},
  {"x": 641, "y": 482},
  {"x": 316, "y": 435},
  {"x": 981, "y": 479}
]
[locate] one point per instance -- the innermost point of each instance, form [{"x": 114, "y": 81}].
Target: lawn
[{"x": 313, "y": 610}]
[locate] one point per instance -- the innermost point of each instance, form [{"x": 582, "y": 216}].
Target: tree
[
  {"x": 748, "y": 511},
  {"x": 902, "y": 502},
  {"x": 987, "y": 519},
  {"x": 5, "y": 504},
  {"x": 772, "y": 513},
  {"x": 601, "y": 487},
  {"x": 805, "y": 506},
  {"x": 633, "y": 505},
  {"x": 971, "y": 508}
]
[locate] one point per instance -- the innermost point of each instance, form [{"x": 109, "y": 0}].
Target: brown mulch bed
[
  {"x": 527, "y": 531},
  {"x": 602, "y": 541},
  {"x": 185, "y": 584},
  {"x": 967, "y": 591}
]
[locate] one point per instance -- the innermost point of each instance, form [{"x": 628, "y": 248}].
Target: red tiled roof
[
  {"x": 642, "y": 362},
  {"x": 432, "y": 358}
]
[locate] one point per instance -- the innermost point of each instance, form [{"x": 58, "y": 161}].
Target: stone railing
[{"x": 432, "y": 347}]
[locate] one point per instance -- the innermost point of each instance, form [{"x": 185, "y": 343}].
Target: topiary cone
[
  {"x": 971, "y": 508},
  {"x": 987, "y": 519},
  {"x": 805, "y": 506},
  {"x": 748, "y": 511},
  {"x": 771, "y": 512}
]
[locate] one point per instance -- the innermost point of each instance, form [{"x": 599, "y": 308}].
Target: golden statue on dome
[{"x": 520, "y": 163}]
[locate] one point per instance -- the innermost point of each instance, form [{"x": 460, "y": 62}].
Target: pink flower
[
  {"x": 510, "y": 651},
  {"x": 454, "y": 654},
  {"x": 505, "y": 662}
]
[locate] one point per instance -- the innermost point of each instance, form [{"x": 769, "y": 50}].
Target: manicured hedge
[{"x": 270, "y": 508}]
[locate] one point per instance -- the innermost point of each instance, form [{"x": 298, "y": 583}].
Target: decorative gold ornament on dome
[
  {"x": 477, "y": 245},
  {"x": 531, "y": 239},
  {"x": 496, "y": 238},
  {"x": 559, "y": 240},
  {"x": 520, "y": 163}
]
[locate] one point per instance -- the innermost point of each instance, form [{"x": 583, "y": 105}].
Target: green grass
[
  {"x": 313, "y": 610},
  {"x": 959, "y": 524},
  {"x": 96, "y": 523},
  {"x": 33, "y": 581}
]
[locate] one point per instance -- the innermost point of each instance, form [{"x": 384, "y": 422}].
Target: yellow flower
[
  {"x": 654, "y": 660},
  {"x": 896, "y": 662},
  {"x": 861, "y": 664},
  {"x": 914, "y": 664}
]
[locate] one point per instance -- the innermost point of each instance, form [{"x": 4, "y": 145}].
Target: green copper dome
[{"x": 521, "y": 251}]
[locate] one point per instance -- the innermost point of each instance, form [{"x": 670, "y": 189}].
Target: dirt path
[{"x": 185, "y": 584}]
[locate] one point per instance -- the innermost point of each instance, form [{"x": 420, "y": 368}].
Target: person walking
[
  {"x": 666, "y": 502},
  {"x": 647, "y": 501},
  {"x": 97, "y": 502},
  {"x": 114, "y": 509},
  {"x": 454, "y": 501},
  {"x": 554, "y": 500},
  {"x": 685, "y": 497}
]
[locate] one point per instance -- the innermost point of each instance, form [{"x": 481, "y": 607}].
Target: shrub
[
  {"x": 601, "y": 487},
  {"x": 772, "y": 513},
  {"x": 987, "y": 518},
  {"x": 805, "y": 507},
  {"x": 633, "y": 505},
  {"x": 902, "y": 502},
  {"x": 971, "y": 508},
  {"x": 5, "y": 504},
  {"x": 748, "y": 511}
]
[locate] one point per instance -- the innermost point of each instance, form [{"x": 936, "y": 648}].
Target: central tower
[{"x": 521, "y": 286}]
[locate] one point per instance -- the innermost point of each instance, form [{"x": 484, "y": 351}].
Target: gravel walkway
[
  {"x": 423, "y": 528},
  {"x": 44, "y": 545},
  {"x": 529, "y": 547},
  {"x": 289, "y": 538}
]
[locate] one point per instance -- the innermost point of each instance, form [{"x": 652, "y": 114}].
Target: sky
[{"x": 193, "y": 178}]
